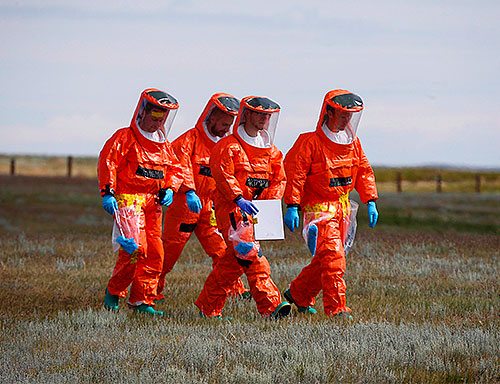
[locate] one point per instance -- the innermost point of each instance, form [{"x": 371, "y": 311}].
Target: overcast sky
[{"x": 428, "y": 71}]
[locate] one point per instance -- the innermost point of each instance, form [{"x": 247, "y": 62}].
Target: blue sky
[{"x": 71, "y": 71}]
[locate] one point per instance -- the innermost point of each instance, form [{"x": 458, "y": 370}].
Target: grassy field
[{"x": 423, "y": 287}]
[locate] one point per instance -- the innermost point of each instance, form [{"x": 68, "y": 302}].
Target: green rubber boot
[
  {"x": 282, "y": 310},
  {"x": 147, "y": 309},
  {"x": 247, "y": 296},
  {"x": 344, "y": 316},
  {"x": 110, "y": 301},
  {"x": 307, "y": 310}
]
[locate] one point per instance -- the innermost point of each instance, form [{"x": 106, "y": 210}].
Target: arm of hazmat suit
[
  {"x": 297, "y": 165},
  {"x": 365, "y": 179},
  {"x": 222, "y": 166},
  {"x": 173, "y": 170},
  {"x": 183, "y": 147},
  {"x": 366, "y": 187},
  {"x": 110, "y": 158},
  {"x": 278, "y": 178}
]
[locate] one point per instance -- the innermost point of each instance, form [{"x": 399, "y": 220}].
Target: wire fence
[{"x": 400, "y": 180}]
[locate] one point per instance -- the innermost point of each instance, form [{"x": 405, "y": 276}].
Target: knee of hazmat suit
[{"x": 138, "y": 162}]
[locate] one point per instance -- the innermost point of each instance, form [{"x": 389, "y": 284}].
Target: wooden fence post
[
  {"x": 439, "y": 184},
  {"x": 399, "y": 182},
  {"x": 70, "y": 166},
  {"x": 478, "y": 183},
  {"x": 12, "y": 166}
]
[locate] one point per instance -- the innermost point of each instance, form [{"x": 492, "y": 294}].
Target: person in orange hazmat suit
[
  {"x": 138, "y": 172},
  {"x": 183, "y": 217},
  {"x": 322, "y": 168},
  {"x": 245, "y": 165}
]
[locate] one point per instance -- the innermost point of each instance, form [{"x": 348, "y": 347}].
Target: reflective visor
[
  {"x": 162, "y": 99},
  {"x": 262, "y": 104},
  {"x": 229, "y": 104},
  {"x": 348, "y": 102}
]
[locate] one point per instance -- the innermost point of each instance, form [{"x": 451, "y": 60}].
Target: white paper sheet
[{"x": 269, "y": 224}]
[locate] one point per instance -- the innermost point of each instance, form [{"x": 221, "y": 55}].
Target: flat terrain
[{"x": 423, "y": 287}]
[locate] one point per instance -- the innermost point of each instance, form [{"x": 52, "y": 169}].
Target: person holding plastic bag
[
  {"x": 194, "y": 211},
  {"x": 138, "y": 173},
  {"x": 322, "y": 168},
  {"x": 246, "y": 166}
]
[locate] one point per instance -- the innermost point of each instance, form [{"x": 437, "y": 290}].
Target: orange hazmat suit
[
  {"x": 135, "y": 167},
  {"x": 320, "y": 174},
  {"x": 193, "y": 150},
  {"x": 243, "y": 170}
]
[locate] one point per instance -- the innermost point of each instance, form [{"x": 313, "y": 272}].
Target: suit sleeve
[
  {"x": 110, "y": 157},
  {"x": 222, "y": 166},
  {"x": 297, "y": 164},
  {"x": 173, "y": 171},
  {"x": 365, "y": 178},
  {"x": 278, "y": 177},
  {"x": 183, "y": 147}
]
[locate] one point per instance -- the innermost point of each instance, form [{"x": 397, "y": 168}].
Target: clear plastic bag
[
  {"x": 127, "y": 223},
  {"x": 348, "y": 226},
  {"x": 241, "y": 235}
]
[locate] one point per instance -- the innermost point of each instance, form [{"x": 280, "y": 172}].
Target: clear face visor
[
  {"x": 219, "y": 123},
  {"x": 343, "y": 124},
  {"x": 260, "y": 116},
  {"x": 343, "y": 113},
  {"x": 152, "y": 118},
  {"x": 264, "y": 124}
]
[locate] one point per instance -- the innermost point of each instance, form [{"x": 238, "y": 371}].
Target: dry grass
[{"x": 424, "y": 292}]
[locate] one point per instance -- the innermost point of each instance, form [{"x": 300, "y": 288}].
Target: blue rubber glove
[
  {"x": 109, "y": 204},
  {"x": 166, "y": 197},
  {"x": 372, "y": 214},
  {"x": 243, "y": 248},
  {"x": 193, "y": 201},
  {"x": 312, "y": 238},
  {"x": 292, "y": 218},
  {"x": 246, "y": 206},
  {"x": 128, "y": 245}
]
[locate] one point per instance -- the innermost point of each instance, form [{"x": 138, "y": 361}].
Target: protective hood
[
  {"x": 164, "y": 110},
  {"x": 259, "y": 114},
  {"x": 223, "y": 101},
  {"x": 345, "y": 109}
]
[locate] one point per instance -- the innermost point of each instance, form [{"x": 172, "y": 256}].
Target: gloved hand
[
  {"x": 128, "y": 245},
  {"x": 292, "y": 218},
  {"x": 246, "y": 206},
  {"x": 166, "y": 197},
  {"x": 312, "y": 238},
  {"x": 243, "y": 248},
  {"x": 193, "y": 201},
  {"x": 372, "y": 214},
  {"x": 109, "y": 204}
]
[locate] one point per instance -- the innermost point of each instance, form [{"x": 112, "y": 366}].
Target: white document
[{"x": 269, "y": 224}]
